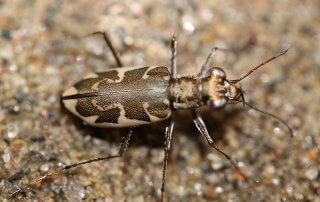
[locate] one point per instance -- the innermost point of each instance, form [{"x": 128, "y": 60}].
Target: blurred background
[{"x": 43, "y": 50}]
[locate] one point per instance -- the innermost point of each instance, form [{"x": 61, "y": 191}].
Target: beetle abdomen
[{"x": 121, "y": 97}]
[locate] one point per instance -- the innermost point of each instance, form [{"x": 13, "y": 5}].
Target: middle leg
[
  {"x": 167, "y": 146},
  {"x": 110, "y": 45}
]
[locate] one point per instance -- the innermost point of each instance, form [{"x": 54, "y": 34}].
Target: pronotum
[{"x": 133, "y": 96}]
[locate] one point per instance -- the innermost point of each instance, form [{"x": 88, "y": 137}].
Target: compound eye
[
  {"x": 217, "y": 103},
  {"x": 216, "y": 72}
]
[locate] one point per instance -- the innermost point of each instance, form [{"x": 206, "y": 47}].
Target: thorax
[{"x": 185, "y": 92}]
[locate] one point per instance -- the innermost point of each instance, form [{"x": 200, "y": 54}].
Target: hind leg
[{"x": 109, "y": 44}]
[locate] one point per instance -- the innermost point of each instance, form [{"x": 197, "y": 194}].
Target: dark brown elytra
[
  {"x": 158, "y": 110},
  {"x": 133, "y": 107}
]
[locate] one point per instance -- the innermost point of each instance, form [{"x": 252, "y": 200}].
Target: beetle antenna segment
[
  {"x": 123, "y": 147},
  {"x": 271, "y": 115},
  {"x": 260, "y": 65}
]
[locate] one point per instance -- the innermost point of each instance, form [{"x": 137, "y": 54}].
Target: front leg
[
  {"x": 206, "y": 64},
  {"x": 198, "y": 121},
  {"x": 173, "y": 60}
]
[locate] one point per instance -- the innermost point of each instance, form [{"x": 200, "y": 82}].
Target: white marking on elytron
[
  {"x": 99, "y": 107},
  {"x": 154, "y": 118},
  {"x": 146, "y": 76},
  {"x": 121, "y": 71},
  {"x": 70, "y": 91},
  {"x": 71, "y": 104},
  {"x": 95, "y": 86},
  {"x": 218, "y": 72},
  {"x": 91, "y": 76},
  {"x": 90, "y": 120},
  {"x": 123, "y": 121},
  {"x": 219, "y": 102}
]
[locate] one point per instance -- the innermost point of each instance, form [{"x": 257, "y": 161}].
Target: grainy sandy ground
[{"x": 43, "y": 51}]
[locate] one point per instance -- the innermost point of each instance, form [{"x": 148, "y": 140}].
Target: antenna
[
  {"x": 260, "y": 65},
  {"x": 271, "y": 115}
]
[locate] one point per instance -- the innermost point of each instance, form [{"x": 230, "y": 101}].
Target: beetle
[{"x": 134, "y": 96}]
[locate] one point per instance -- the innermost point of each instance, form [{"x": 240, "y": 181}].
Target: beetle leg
[
  {"x": 123, "y": 146},
  {"x": 207, "y": 62},
  {"x": 167, "y": 146},
  {"x": 173, "y": 60},
  {"x": 198, "y": 121},
  {"x": 109, "y": 44}
]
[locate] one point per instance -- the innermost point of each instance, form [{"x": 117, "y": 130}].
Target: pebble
[
  {"x": 312, "y": 173},
  {"x": 219, "y": 190},
  {"x": 44, "y": 167},
  {"x": 12, "y": 130}
]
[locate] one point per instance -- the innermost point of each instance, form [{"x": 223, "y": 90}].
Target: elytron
[{"x": 133, "y": 96}]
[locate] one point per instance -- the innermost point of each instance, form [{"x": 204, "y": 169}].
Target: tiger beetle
[{"x": 133, "y": 96}]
